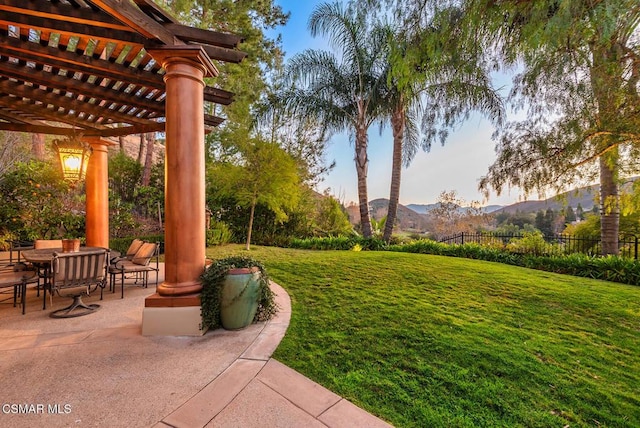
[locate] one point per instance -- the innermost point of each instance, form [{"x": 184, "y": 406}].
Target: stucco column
[
  {"x": 185, "y": 242},
  {"x": 97, "y": 189}
]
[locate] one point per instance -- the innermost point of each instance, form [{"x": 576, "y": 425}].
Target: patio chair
[
  {"x": 39, "y": 244},
  {"x": 47, "y": 243},
  {"x": 139, "y": 266},
  {"x": 73, "y": 275},
  {"x": 131, "y": 251},
  {"x": 17, "y": 277},
  {"x": 17, "y": 246}
]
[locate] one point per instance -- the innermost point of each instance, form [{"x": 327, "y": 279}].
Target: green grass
[{"x": 430, "y": 341}]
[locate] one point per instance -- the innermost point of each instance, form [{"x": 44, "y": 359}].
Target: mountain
[
  {"x": 584, "y": 196},
  {"x": 406, "y": 218},
  {"x": 424, "y": 209}
]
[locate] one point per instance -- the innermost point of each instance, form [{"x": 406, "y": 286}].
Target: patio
[{"x": 98, "y": 370}]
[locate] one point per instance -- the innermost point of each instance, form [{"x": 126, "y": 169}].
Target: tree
[
  {"x": 331, "y": 220},
  {"x": 546, "y": 221},
  {"x": 580, "y": 80},
  {"x": 451, "y": 216},
  {"x": 340, "y": 91},
  {"x": 569, "y": 215},
  {"x": 246, "y": 80},
  {"x": 265, "y": 174},
  {"x": 302, "y": 137},
  {"x": 124, "y": 176},
  {"x": 431, "y": 79},
  {"x": 37, "y": 146},
  {"x": 38, "y": 203},
  {"x": 148, "y": 160},
  {"x": 14, "y": 149}
]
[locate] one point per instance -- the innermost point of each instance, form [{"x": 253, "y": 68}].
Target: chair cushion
[
  {"x": 127, "y": 266},
  {"x": 134, "y": 247},
  {"x": 144, "y": 254},
  {"x": 74, "y": 291},
  {"x": 47, "y": 243}
]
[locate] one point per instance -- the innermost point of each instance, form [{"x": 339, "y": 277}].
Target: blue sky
[{"x": 458, "y": 165}]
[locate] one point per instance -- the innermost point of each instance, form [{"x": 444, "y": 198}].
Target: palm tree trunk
[
  {"x": 362, "y": 165},
  {"x": 397, "y": 125},
  {"x": 253, "y": 210},
  {"x": 609, "y": 203}
]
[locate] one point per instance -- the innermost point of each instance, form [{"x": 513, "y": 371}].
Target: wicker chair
[{"x": 73, "y": 275}]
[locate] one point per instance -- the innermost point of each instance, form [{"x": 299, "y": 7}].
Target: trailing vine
[{"x": 212, "y": 280}]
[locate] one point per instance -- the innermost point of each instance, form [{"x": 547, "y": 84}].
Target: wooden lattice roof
[{"x": 84, "y": 64}]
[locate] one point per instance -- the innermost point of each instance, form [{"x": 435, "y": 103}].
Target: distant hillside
[
  {"x": 424, "y": 209},
  {"x": 407, "y": 219},
  {"x": 585, "y": 196}
]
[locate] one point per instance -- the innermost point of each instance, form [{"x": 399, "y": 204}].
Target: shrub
[
  {"x": 122, "y": 244},
  {"x": 218, "y": 234},
  {"x": 344, "y": 243},
  {"x": 532, "y": 243},
  {"x": 610, "y": 268}
]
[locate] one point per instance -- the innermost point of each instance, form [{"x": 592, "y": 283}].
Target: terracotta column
[
  {"x": 97, "y": 188},
  {"x": 185, "y": 242}
]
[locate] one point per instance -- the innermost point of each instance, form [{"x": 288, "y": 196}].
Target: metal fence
[{"x": 567, "y": 244}]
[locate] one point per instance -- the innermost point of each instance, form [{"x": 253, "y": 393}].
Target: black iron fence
[{"x": 567, "y": 244}]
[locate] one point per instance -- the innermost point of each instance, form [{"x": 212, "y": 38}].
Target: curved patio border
[{"x": 256, "y": 390}]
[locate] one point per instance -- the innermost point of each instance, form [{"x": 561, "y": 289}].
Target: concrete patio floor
[{"x": 98, "y": 370}]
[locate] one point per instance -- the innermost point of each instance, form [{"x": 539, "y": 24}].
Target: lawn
[{"x": 431, "y": 341}]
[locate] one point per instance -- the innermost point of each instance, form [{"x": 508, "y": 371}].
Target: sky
[{"x": 458, "y": 165}]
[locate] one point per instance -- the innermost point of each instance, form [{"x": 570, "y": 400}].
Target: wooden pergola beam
[
  {"x": 85, "y": 63},
  {"x": 69, "y": 84},
  {"x": 54, "y": 57},
  {"x": 69, "y": 27},
  {"x": 136, "y": 19},
  {"x": 62, "y": 12},
  {"x": 207, "y": 37}
]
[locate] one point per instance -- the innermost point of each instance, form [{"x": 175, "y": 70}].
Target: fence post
[
  {"x": 635, "y": 249},
  {"x": 462, "y": 238}
]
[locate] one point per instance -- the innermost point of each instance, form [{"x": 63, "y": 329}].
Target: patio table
[{"x": 42, "y": 258}]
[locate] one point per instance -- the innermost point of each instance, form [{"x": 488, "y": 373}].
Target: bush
[
  {"x": 218, "y": 234},
  {"x": 610, "y": 268},
  {"x": 531, "y": 252},
  {"x": 344, "y": 243},
  {"x": 533, "y": 243},
  {"x": 122, "y": 244}
]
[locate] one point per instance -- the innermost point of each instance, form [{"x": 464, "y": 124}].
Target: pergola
[{"x": 107, "y": 68}]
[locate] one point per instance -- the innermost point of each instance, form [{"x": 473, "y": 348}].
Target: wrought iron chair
[
  {"x": 17, "y": 277},
  {"x": 47, "y": 243},
  {"x": 73, "y": 275},
  {"x": 139, "y": 265},
  {"x": 44, "y": 273},
  {"x": 131, "y": 251}
]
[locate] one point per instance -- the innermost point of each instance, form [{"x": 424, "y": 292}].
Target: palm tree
[
  {"x": 439, "y": 89},
  {"x": 341, "y": 91}
]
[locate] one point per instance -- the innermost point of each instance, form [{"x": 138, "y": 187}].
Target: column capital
[
  {"x": 181, "y": 53},
  {"x": 98, "y": 143}
]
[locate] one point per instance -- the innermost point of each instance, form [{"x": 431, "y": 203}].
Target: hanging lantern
[{"x": 74, "y": 157}]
